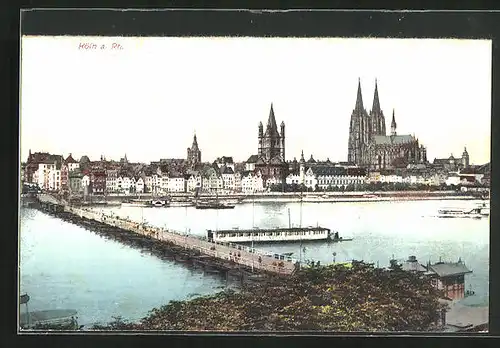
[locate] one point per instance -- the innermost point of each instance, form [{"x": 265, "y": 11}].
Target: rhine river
[{"x": 66, "y": 266}]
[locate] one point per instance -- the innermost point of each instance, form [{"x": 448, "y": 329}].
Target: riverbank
[
  {"x": 331, "y": 298},
  {"x": 291, "y": 197}
]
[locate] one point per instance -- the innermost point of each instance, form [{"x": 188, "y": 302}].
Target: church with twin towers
[{"x": 370, "y": 146}]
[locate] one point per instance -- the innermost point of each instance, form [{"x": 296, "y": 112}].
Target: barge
[
  {"x": 144, "y": 204},
  {"x": 474, "y": 213},
  {"x": 269, "y": 235},
  {"x": 214, "y": 205}
]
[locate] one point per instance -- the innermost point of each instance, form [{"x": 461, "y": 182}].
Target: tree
[{"x": 337, "y": 297}]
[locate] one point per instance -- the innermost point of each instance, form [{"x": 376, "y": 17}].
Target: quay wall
[
  {"x": 306, "y": 196},
  {"x": 238, "y": 254}
]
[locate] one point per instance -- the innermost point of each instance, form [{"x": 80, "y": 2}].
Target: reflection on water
[
  {"x": 65, "y": 266},
  {"x": 379, "y": 229}
]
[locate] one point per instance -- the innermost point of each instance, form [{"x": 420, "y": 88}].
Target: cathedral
[
  {"x": 271, "y": 151},
  {"x": 370, "y": 146},
  {"x": 194, "y": 154}
]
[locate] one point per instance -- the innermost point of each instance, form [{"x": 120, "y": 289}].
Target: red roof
[
  {"x": 38, "y": 157},
  {"x": 70, "y": 159}
]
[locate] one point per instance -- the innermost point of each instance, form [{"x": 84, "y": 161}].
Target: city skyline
[{"x": 109, "y": 103}]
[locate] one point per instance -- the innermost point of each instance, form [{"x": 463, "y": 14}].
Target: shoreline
[{"x": 294, "y": 197}]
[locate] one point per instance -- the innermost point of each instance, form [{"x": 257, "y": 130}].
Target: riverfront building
[
  {"x": 323, "y": 175},
  {"x": 451, "y": 163},
  {"x": 369, "y": 145},
  {"x": 446, "y": 276}
]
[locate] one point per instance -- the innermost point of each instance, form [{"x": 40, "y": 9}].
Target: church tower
[
  {"x": 302, "y": 168},
  {"x": 393, "y": 124},
  {"x": 194, "y": 154},
  {"x": 272, "y": 142},
  {"x": 282, "y": 126},
  {"x": 271, "y": 152},
  {"x": 359, "y": 130},
  {"x": 261, "y": 136},
  {"x": 377, "y": 117},
  {"x": 465, "y": 158}
]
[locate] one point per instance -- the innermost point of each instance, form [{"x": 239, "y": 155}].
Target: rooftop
[
  {"x": 393, "y": 139},
  {"x": 445, "y": 269},
  {"x": 252, "y": 159}
]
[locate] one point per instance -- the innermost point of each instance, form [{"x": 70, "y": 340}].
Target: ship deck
[{"x": 279, "y": 229}]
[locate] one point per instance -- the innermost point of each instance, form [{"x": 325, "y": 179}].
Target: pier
[{"x": 226, "y": 257}]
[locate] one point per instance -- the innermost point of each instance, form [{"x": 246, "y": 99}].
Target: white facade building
[
  {"x": 193, "y": 181},
  {"x": 293, "y": 179},
  {"x": 85, "y": 181},
  {"x": 164, "y": 184},
  {"x": 73, "y": 166},
  {"x": 227, "y": 179},
  {"x": 324, "y": 177},
  {"x": 326, "y": 181},
  {"x": 252, "y": 182},
  {"x": 125, "y": 184},
  {"x": 148, "y": 183},
  {"x": 237, "y": 182},
  {"x": 111, "y": 180},
  {"x": 43, "y": 175},
  {"x": 177, "y": 184},
  {"x": 391, "y": 178},
  {"x": 212, "y": 181},
  {"x": 310, "y": 179},
  {"x": 48, "y": 176},
  {"x": 139, "y": 185},
  {"x": 250, "y": 163},
  {"x": 156, "y": 181},
  {"x": 272, "y": 181},
  {"x": 54, "y": 179}
]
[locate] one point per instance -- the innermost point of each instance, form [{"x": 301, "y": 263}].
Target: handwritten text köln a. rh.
[{"x": 88, "y": 46}]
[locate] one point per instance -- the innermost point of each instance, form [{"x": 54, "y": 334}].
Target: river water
[{"x": 66, "y": 266}]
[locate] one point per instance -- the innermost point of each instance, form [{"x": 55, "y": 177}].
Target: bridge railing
[{"x": 239, "y": 254}]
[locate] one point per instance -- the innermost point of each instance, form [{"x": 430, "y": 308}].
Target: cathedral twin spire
[
  {"x": 359, "y": 99},
  {"x": 376, "y": 102},
  {"x": 376, "y": 112}
]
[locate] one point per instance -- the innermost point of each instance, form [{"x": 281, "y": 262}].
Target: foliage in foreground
[{"x": 326, "y": 298}]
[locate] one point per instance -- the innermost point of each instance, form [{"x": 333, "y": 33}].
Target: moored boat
[
  {"x": 64, "y": 319},
  {"x": 180, "y": 204},
  {"x": 269, "y": 235},
  {"x": 157, "y": 203},
  {"x": 475, "y": 213},
  {"x": 56, "y": 319},
  {"x": 336, "y": 239},
  {"x": 214, "y": 205},
  {"x": 134, "y": 203}
]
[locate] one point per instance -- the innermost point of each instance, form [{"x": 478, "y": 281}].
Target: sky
[{"x": 147, "y": 99}]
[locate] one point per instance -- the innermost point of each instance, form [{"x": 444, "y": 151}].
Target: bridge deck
[
  {"x": 238, "y": 254},
  {"x": 46, "y": 198}
]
